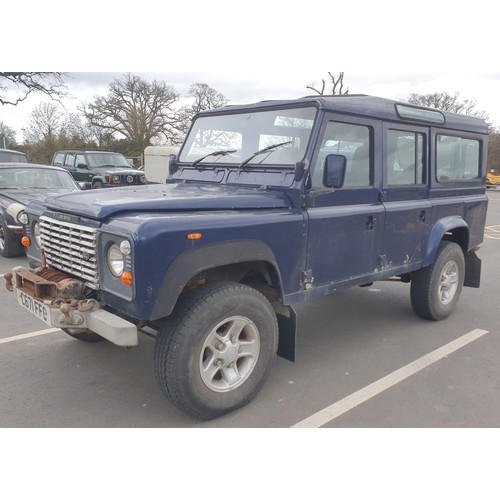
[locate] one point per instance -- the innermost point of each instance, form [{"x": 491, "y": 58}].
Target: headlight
[
  {"x": 22, "y": 217},
  {"x": 116, "y": 262},
  {"x": 37, "y": 235},
  {"x": 114, "y": 179}
]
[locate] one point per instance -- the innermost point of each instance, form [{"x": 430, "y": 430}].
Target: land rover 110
[{"x": 265, "y": 206}]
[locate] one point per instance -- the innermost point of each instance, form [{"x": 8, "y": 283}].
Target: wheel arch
[
  {"x": 251, "y": 262},
  {"x": 452, "y": 228}
]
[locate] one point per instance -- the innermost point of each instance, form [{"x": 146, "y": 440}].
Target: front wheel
[
  {"x": 435, "y": 289},
  {"x": 10, "y": 245},
  {"x": 215, "y": 352}
]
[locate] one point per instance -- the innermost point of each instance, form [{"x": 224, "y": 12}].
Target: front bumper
[{"x": 38, "y": 296}]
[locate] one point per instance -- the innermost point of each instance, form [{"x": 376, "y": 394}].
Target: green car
[{"x": 99, "y": 168}]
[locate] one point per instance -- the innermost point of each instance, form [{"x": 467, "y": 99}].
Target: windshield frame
[{"x": 252, "y": 142}]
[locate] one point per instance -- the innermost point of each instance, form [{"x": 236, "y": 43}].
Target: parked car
[
  {"x": 11, "y": 156},
  {"x": 99, "y": 168},
  {"x": 21, "y": 183}
]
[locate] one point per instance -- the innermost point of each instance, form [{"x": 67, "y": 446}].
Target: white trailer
[{"x": 156, "y": 162}]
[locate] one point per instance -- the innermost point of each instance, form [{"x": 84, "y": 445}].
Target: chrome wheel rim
[
  {"x": 2, "y": 238},
  {"x": 448, "y": 282},
  {"x": 229, "y": 354}
]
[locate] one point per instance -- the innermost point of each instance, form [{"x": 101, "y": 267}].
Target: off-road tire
[
  {"x": 435, "y": 289},
  {"x": 198, "y": 367}
]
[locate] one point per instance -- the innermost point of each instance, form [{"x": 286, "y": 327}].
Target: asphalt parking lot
[{"x": 363, "y": 360}]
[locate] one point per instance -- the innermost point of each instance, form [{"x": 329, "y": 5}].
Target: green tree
[{"x": 138, "y": 110}]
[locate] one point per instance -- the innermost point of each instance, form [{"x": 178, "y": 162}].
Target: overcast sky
[{"x": 268, "y": 49}]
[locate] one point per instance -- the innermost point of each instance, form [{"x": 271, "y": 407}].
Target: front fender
[
  {"x": 193, "y": 262},
  {"x": 440, "y": 228}
]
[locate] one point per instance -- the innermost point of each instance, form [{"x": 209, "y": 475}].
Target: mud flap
[
  {"x": 472, "y": 270},
  {"x": 287, "y": 332}
]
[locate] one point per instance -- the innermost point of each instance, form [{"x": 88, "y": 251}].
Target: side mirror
[
  {"x": 172, "y": 165},
  {"x": 84, "y": 185},
  {"x": 334, "y": 171},
  {"x": 82, "y": 165}
]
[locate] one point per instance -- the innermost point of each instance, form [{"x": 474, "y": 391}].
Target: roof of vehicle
[
  {"x": 368, "y": 106},
  {"x": 4, "y": 165},
  {"x": 86, "y": 151},
  {"x": 11, "y": 151}
]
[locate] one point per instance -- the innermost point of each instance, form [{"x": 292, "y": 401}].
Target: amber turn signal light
[
  {"x": 126, "y": 278},
  {"x": 25, "y": 241},
  {"x": 194, "y": 236}
]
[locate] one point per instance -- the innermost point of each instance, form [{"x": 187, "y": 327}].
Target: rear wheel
[
  {"x": 435, "y": 289},
  {"x": 214, "y": 353}
]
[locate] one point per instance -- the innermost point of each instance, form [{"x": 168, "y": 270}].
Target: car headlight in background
[
  {"x": 114, "y": 179},
  {"x": 22, "y": 217}
]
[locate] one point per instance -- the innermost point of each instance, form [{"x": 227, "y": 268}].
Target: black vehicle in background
[
  {"x": 21, "y": 183},
  {"x": 99, "y": 168}
]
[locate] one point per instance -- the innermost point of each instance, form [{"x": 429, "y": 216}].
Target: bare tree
[
  {"x": 16, "y": 87},
  {"x": 138, "y": 110},
  {"x": 7, "y": 135},
  {"x": 336, "y": 83},
  {"x": 46, "y": 123},
  {"x": 203, "y": 97}
]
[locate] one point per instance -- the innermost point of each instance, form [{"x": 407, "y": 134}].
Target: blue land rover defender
[{"x": 265, "y": 206}]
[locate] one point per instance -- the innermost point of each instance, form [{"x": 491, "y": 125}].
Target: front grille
[{"x": 71, "y": 248}]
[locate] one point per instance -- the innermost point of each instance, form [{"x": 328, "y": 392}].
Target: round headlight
[
  {"x": 22, "y": 217},
  {"x": 116, "y": 262},
  {"x": 37, "y": 235}
]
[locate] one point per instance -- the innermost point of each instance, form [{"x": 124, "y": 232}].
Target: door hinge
[
  {"x": 307, "y": 279},
  {"x": 383, "y": 196}
]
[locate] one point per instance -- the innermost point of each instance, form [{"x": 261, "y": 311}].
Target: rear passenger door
[{"x": 406, "y": 195}]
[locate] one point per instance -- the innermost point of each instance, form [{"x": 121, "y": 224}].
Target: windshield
[
  {"x": 277, "y": 137},
  {"x": 108, "y": 160},
  {"x": 36, "y": 178}
]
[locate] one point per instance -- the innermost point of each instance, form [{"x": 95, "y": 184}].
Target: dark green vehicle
[{"x": 99, "y": 168}]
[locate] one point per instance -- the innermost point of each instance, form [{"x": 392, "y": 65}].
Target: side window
[
  {"x": 405, "y": 159},
  {"x": 457, "y": 159},
  {"x": 58, "y": 159},
  {"x": 79, "y": 159},
  {"x": 351, "y": 141},
  {"x": 69, "y": 161}
]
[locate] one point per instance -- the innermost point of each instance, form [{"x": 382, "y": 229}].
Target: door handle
[{"x": 421, "y": 216}]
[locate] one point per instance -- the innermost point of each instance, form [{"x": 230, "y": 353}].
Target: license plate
[{"x": 35, "y": 307}]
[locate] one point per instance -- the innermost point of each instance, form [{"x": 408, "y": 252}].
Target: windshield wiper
[
  {"x": 269, "y": 149},
  {"x": 214, "y": 153}
]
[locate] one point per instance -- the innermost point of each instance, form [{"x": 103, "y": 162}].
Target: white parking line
[
  {"x": 348, "y": 403},
  {"x": 28, "y": 335}
]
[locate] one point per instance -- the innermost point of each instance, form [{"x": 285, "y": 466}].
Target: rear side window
[
  {"x": 457, "y": 159},
  {"x": 405, "y": 158}
]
